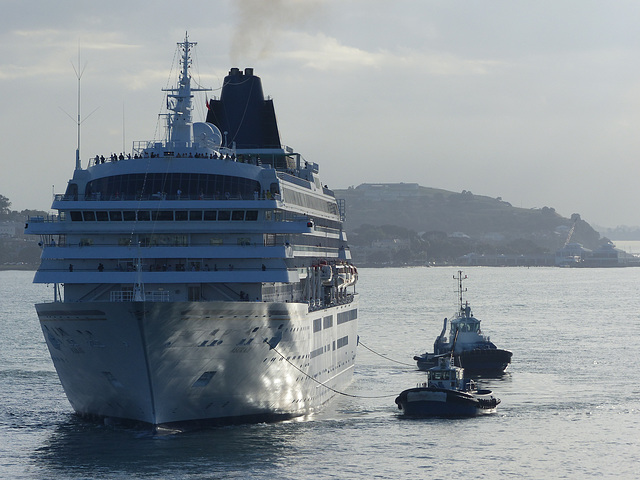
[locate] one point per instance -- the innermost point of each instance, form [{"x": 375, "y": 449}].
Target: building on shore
[{"x": 570, "y": 255}]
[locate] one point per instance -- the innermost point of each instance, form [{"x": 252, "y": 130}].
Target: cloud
[
  {"x": 324, "y": 53},
  {"x": 320, "y": 52},
  {"x": 48, "y": 52}
]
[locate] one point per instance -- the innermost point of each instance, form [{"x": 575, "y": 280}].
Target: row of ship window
[
  {"x": 341, "y": 342},
  {"x": 327, "y": 322},
  {"x": 320, "y": 323},
  {"x": 163, "y": 215},
  {"x": 347, "y": 316},
  {"x": 307, "y": 201}
]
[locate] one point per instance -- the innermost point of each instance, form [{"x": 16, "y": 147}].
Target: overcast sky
[{"x": 537, "y": 102}]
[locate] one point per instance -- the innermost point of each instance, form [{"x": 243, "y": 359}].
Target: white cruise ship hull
[
  {"x": 202, "y": 277},
  {"x": 165, "y": 363}
]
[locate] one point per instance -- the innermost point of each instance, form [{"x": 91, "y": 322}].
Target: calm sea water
[{"x": 570, "y": 400}]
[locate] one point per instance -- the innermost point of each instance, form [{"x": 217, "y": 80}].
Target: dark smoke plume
[{"x": 260, "y": 22}]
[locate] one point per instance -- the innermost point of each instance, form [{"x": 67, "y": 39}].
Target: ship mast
[
  {"x": 78, "y": 120},
  {"x": 79, "y": 71},
  {"x": 179, "y": 122}
]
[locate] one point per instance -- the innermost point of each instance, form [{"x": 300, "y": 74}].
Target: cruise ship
[{"x": 204, "y": 277}]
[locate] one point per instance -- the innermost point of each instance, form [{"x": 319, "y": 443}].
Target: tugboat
[
  {"x": 446, "y": 394},
  {"x": 471, "y": 350}
]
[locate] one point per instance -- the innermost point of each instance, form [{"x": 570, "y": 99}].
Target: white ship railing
[
  {"x": 62, "y": 197},
  {"x": 348, "y": 298},
  {"x": 152, "y": 296}
]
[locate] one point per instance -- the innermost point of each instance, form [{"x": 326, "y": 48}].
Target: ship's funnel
[{"x": 242, "y": 114}]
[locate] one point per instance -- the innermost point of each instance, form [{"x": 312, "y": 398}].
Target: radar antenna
[
  {"x": 78, "y": 121},
  {"x": 179, "y": 121}
]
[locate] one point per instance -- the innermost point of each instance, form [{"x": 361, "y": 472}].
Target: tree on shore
[
  {"x": 5, "y": 205},
  {"x": 18, "y": 248}
]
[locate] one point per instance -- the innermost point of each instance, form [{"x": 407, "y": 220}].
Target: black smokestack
[{"x": 243, "y": 113}]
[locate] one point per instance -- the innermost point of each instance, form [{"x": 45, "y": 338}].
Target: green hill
[{"x": 447, "y": 224}]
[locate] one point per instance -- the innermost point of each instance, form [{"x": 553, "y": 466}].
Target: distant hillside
[
  {"x": 17, "y": 250},
  {"x": 621, "y": 233},
  {"x": 469, "y": 222}
]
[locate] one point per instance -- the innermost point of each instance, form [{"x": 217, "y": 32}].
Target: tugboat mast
[{"x": 460, "y": 277}]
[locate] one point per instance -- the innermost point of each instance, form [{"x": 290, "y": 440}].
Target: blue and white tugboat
[
  {"x": 471, "y": 349},
  {"x": 446, "y": 394}
]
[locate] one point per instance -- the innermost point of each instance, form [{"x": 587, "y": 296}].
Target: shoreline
[{"x": 22, "y": 268}]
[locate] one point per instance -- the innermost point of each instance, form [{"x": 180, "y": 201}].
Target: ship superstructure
[{"x": 203, "y": 277}]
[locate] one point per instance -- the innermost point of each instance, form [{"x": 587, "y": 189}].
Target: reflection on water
[{"x": 78, "y": 448}]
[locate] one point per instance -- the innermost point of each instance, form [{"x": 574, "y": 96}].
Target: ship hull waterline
[{"x": 198, "y": 362}]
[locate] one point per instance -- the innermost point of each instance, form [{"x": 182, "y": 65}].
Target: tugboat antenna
[{"x": 460, "y": 289}]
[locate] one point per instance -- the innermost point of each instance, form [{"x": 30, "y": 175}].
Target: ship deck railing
[
  {"x": 154, "y": 197},
  {"x": 51, "y": 218},
  {"x": 126, "y": 243},
  {"x": 284, "y": 159},
  {"x": 129, "y": 296},
  {"x": 149, "y": 150},
  {"x": 246, "y": 248},
  {"x": 343, "y": 300},
  {"x": 177, "y": 268}
]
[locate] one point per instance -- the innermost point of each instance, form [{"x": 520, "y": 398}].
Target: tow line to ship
[
  {"x": 384, "y": 356},
  {"x": 273, "y": 347}
]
